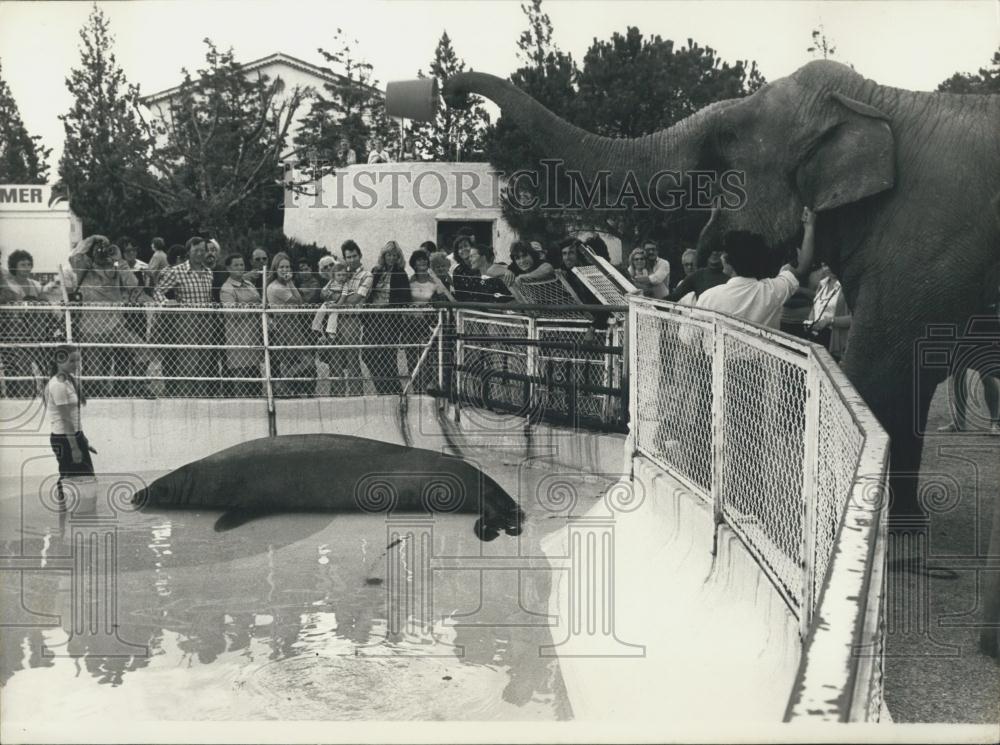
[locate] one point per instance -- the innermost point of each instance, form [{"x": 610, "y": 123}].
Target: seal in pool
[{"x": 333, "y": 473}]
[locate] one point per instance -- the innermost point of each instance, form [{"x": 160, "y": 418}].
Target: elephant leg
[{"x": 900, "y": 399}]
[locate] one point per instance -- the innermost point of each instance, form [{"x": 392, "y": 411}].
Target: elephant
[{"x": 906, "y": 186}]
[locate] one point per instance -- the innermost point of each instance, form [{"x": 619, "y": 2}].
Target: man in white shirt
[
  {"x": 378, "y": 153},
  {"x": 758, "y": 300},
  {"x": 655, "y": 282}
]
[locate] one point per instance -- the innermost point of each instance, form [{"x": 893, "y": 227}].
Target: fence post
[
  {"x": 440, "y": 355},
  {"x": 807, "y": 540},
  {"x": 531, "y": 363},
  {"x": 65, "y": 301},
  {"x": 718, "y": 423},
  {"x": 456, "y": 381},
  {"x": 272, "y": 425},
  {"x": 610, "y": 336},
  {"x": 630, "y": 366}
]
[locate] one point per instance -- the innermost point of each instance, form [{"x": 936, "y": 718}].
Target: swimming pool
[{"x": 289, "y": 617}]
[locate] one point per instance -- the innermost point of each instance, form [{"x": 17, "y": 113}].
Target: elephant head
[{"x": 804, "y": 140}]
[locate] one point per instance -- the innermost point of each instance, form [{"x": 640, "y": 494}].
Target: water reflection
[{"x": 261, "y": 595}]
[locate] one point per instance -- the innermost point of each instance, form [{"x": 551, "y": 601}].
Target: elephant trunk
[{"x": 675, "y": 149}]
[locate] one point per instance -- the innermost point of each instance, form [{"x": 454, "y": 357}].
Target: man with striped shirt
[{"x": 191, "y": 280}]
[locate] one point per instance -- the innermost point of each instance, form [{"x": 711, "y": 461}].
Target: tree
[
  {"x": 219, "y": 148},
  {"x": 23, "y": 159},
  {"x": 987, "y": 81},
  {"x": 351, "y": 108},
  {"x": 106, "y": 147},
  {"x": 628, "y": 86},
  {"x": 548, "y": 75},
  {"x": 454, "y": 134}
]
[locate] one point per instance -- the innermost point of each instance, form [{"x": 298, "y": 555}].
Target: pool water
[{"x": 294, "y": 616}]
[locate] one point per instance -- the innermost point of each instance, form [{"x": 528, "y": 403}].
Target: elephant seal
[{"x": 333, "y": 473}]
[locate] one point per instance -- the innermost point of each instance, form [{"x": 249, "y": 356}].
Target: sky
[{"x": 911, "y": 45}]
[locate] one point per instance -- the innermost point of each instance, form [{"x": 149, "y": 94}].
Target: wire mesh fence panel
[
  {"x": 493, "y": 373},
  {"x": 840, "y": 441},
  {"x": 568, "y": 371},
  {"x": 673, "y": 389},
  {"x": 764, "y": 398},
  {"x": 548, "y": 292},
  {"x": 604, "y": 288},
  {"x": 28, "y": 331},
  {"x": 347, "y": 350}
]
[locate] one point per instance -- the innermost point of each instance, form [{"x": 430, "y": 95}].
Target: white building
[
  {"x": 34, "y": 220},
  {"x": 293, "y": 72},
  {"x": 409, "y": 203}
]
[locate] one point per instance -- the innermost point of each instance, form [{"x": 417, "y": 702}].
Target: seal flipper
[{"x": 234, "y": 519}]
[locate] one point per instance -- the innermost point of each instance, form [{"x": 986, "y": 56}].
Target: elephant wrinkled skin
[{"x": 907, "y": 185}]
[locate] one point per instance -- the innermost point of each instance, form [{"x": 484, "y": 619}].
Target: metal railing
[
  {"x": 552, "y": 366},
  {"x": 561, "y": 370},
  {"x": 767, "y": 430}
]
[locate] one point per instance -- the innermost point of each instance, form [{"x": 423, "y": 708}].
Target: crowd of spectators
[{"x": 201, "y": 278}]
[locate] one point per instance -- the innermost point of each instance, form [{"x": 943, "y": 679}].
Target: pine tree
[
  {"x": 455, "y": 134},
  {"x": 352, "y": 108},
  {"x": 104, "y": 155},
  {"x": 22, "y": 156},
  {"x": 548, "y": 75},
  {"x": 219, "y": 148}
]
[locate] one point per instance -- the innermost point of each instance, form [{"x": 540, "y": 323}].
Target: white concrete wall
[
  {"x": 139, "y": 435},
  {"x": 696, "y": 639},
  {"x": 358, "y": 203}
]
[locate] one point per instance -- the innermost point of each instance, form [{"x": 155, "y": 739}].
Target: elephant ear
[{"x": 853, "y": 157}]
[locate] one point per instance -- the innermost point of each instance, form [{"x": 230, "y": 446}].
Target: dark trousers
[
  {"x": 381, "y": 360},
  {"x": 64, "y": 454}
]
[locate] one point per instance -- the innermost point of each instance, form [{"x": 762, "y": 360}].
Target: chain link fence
[
  {"x": 221, "y": 351},
  {"x": 765, "y": 429},
  {"x": 560, "y": 369}
]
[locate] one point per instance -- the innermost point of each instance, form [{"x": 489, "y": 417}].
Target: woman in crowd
[
  {"x": 829, "y": 319},
  {"x": 308, "y": 282},
  {"x": 637, "y": 265},
  {"x": 527, "y": 264},
  {"x": 423, "y": 288},
  {"x": 465, "y": 279},
  {"x": 64, "y": 398},
  {"x": 24, "y": 325},
  {"x": 390, "y": 287},
  {"x": 345, "y": 154},
  {"x": 326, "y": 325},
  {"x": 103, "y": 278},
  {"x": 491, "y": 286},
  {"x": 440, "y": 274},
  {"x": 288, "y": 329},
  {"x": 20, "y": 265},
  {"x": 241, "y": 329}
]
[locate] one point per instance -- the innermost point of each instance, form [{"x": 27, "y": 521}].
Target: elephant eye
[{"x": 726, "y": 138}]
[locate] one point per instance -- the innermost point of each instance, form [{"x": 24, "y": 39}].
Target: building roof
[{"x": 324, "y": 74}]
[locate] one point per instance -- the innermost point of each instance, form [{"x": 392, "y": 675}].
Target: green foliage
[
  {"x": 628, "y": 86},
  {"x": 105, "y": 149},
  {"x": 455, "y": 134},
  {"x": 987, "y": 81},
  {"x": 352, "y": 107},
  {"x": 22, "y": 156},
  {"x": 219, "y": 147}
]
